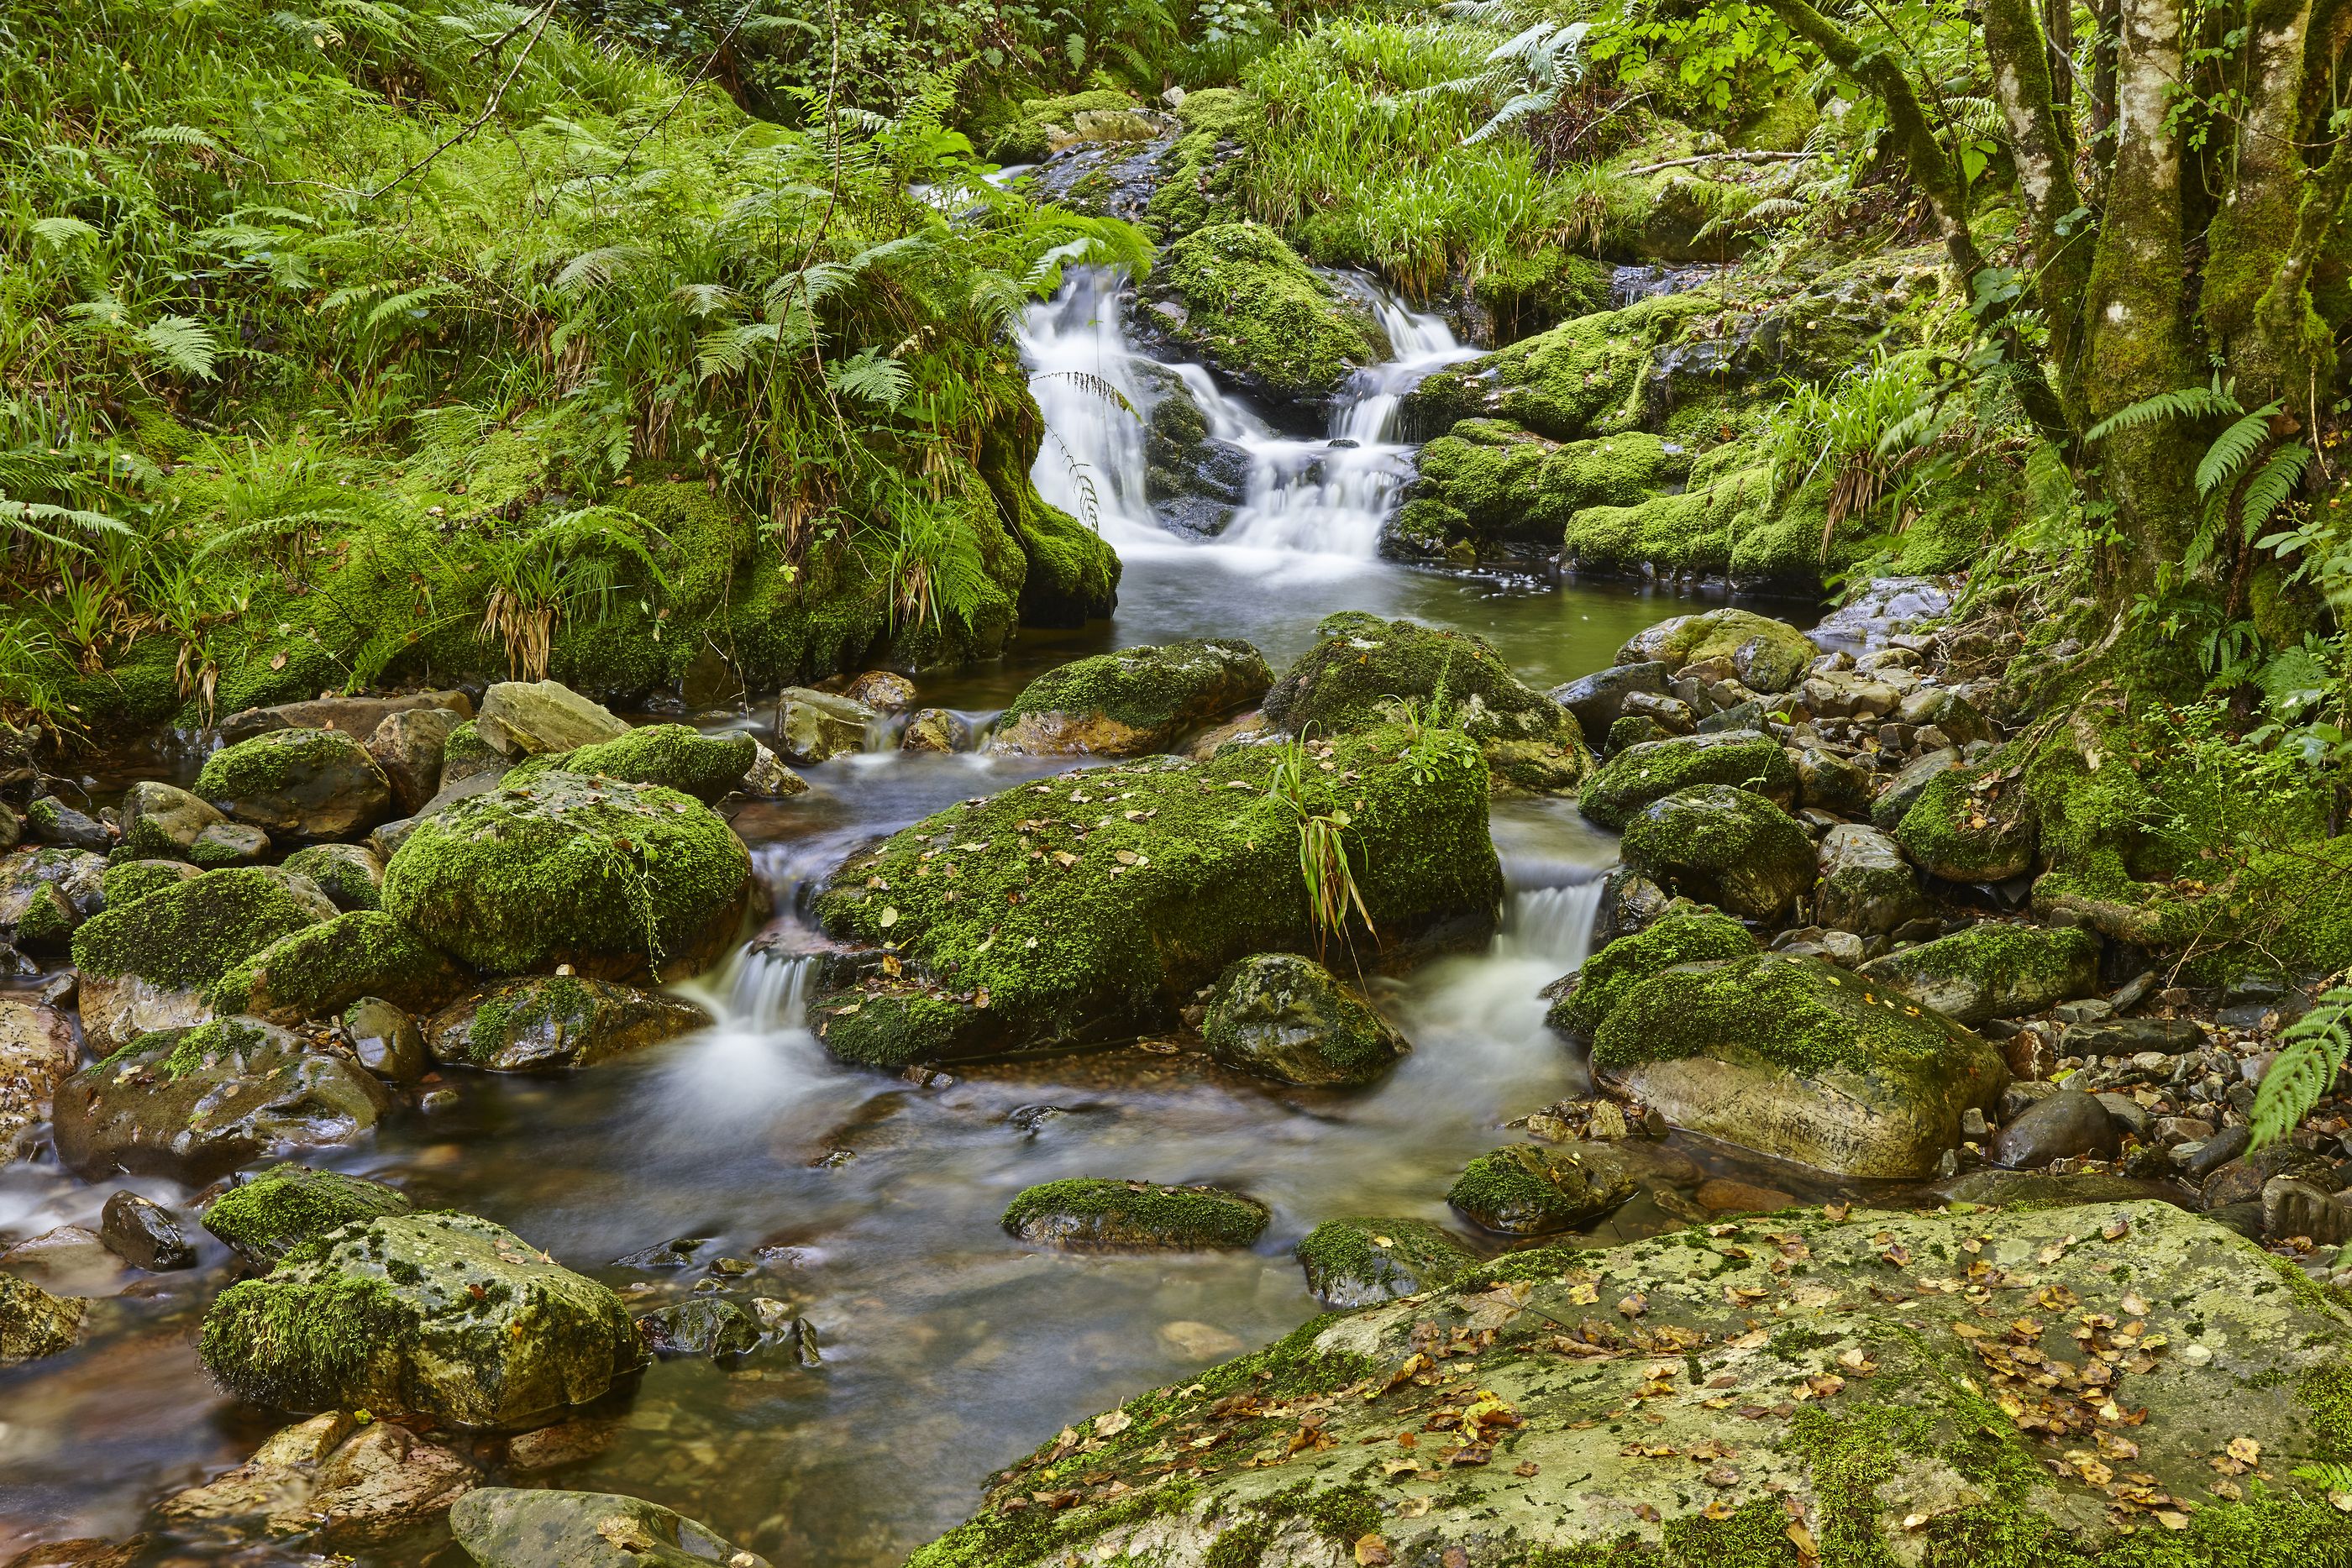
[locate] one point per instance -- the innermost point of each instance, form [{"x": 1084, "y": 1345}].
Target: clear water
[{"x": 869, "y": 1204}]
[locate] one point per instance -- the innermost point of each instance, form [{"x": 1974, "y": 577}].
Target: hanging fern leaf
[
  {"x": 2180, "y": 402},
  {"x": 873, "y": 376},
  {"x": 2268, "y": 490},
  {"x": 2232, "y": 448},
  {"x": 596, "y": 268},
  {"x": 2311, "y": 1052},
  {"x": 61, "y": 231},
  {"x": 728, "y": 350},
  {"x": 183, "y": 343}
]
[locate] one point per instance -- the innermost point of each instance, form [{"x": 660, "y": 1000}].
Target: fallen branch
[
  {"x": 1742, "y": 157},
  {"x": 539, "y": 28}
]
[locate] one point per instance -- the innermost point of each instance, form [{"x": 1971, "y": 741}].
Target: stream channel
[{"x": 868, "y": 1203}]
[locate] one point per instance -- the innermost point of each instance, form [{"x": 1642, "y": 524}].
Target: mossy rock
[
  {"x": 299, "y": 784},
  {"x": 1284, "y": 1017},
  {"x": 1132, "y": 703},
  {"x": 1723, "y": 845},
  {"x": 504, "y": 1527},
  {"x": 195, "y": 1104},
  {"x": 1091, "y": 906},
  {"x": 1527, "y": 292},
  {"x": 128, "y": 880},
  {"x": 1794, "y": 1058},
  {"x": 674, "y": 756},
  {"x": 1094, "y": 1212},
  {"x": 34, "y": 1323},
  {"x": 319, "y": 970},
  {"x": 549, "y": 1022},
  {"x": 351, "y": 874},
  {"x": 162, "y": 821},
  {"x": 467, "y": 754},
  {"x": 267, "y": 1217},
  {"x": 1582, "y": 378},
  {"x": 1525, "y": 1190},
  {"x": 1259, "y": 315},
  {"x": 46, "y": 920},
  {"x": 1513, "y": 488},
  {"x": 178, "y": 940},
  {"x": 1994, "y": 969},
  {"x": 1916, "y": 1462},
  {"x": 616, "y": 879},
  {"x": 1072, "y": 573},
  {"x": 434, "y": 1315},
  {"x": 1776, "y": 651},
  {"x": 1654, "y": 769},
  {"x": 79, "y": 874},
  {"x": 1362, "y": 667},
  {"x": 1356, "y": 1262},
  {"x": 1866, "y": 887},
  {"x": 1684, "y": 936},
  {"x": 1970, "y": 825}
]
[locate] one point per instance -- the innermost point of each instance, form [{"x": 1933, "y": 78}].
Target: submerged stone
[
  {"x": 818, "y": 727},
  {"x": 1132, "y": 703},
  {"x": 1282, "y": 1016},
  {"x": 38, "y": 1052},
  {"x": 504, "y": 1528},
  {"x": 547, "y": 1022},
  {"x": 1356, "y": 1262},
  {"x": 1524, "y": 1190},
  {"x": 1086, "y": 1212},
  {"x": 34, "y": 1323},
  {"x": 707, "y": 1326},
  {"x": 268, "y": 1215}
]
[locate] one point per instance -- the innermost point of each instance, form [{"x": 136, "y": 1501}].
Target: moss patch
[
  {"x": 186, "y": 937},
  {"x": 1654, "y": 769},
  {"x": 1091, "y": 1212},
  {"x": 285, "y": 1206},
  {"x": 674, "y": 756},
  {"x": 319, "y": 970},
  {"x": 1682, "y": 937},
  {"x": 1255, "y": 310}
]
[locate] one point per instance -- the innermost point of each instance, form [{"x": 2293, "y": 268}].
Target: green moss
[
  {"x": 1639, "y": 775},
  {"x": 1528, "y": 1191},
  {"x": 186, "y": 937},
  {"x": 319, "y": 970},
  {"x": 1155, "y": 691},
  {"x": 49, "y": 920},
  {"x": 1941, "y": 833},
  {"x": 1682, "y": 937},
  {"x": 1513, "y": 487},
  {"x": 1350, "y": 1262},
  {"x": 1530, "y": 290},
  {"x": 128, "y": 880},
  {"x": 2019, "y": 968},
  {"x": 1084, "y": 1211},
  {"x": 1721, "y": 844},
  {"x": 266, "y": 1218},
  {"x": 1253, "y": 307},
  {"x": 278, "y": 760},
  {"x": 341, "y": 874},
  {"x": 675, "y": 755},
  {"x": 299, "y": 1346},
  {"x": 1580, "y": 379}
]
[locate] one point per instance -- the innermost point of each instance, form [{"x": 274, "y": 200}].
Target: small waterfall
[
  {"x": 770, "y": 991},
  {"x": 1554, "y": 923},
  {"x": 1091, "y": 465}
]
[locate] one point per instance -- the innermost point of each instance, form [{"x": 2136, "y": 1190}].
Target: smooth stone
[
  {"x": 1866, "y": 887},
  {"x": 2059, "y": 1126},
  {"x": 936, "y": 729},
  {"x": 144, "y": 1235},
  {"x": 2129, "y": 1037},
  {"x": 50, "y": 820},
  {"x": 2293, "y": 1208},
  {"x": 1523, "y": 1189},
  {"x": 161, "y": 821},
  {"x": 1284, "y": 1017},
  {"x": 502, "y": 1527},
  {"x": 410, "y": 746},
  {"x": 545, "y": 1023},
  {"x": 818, "y": 727},
  {"x": 351, "y": 874},
  {"x": 1722, "y": 845},
  {"x": 356, "y": 716},
  {"x": 707, "y": 1326},
  {"x": 1994, "y": 969},
  {"x": 1902, "y": 792},
  {"x": 1598, "y": 700},
  {"x": 386, "y": 1040},
  {"x": 524, "y": 718},
  {"x": 230, "y": 843},
  {"x": 884, "y": 691}
]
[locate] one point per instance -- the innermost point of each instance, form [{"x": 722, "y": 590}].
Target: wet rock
[
  {"x": 501, "y": 1528},
  {"x": 1866, "y": 887},
  {"x": 1093, "y": 1212},
  {"x": 1722, "y": 845},
  {"x": 386, "y": 1039},
  {"x": 229, "y": 843},
  {"x": 12, "y": 828},
  {"x": 467, "y": 756},
  {"x": 264, "y": 1217},
  {"x": 525, "y": 718},
  {"x": 2058, "y": 1126},
  {"x": 356, "y": 716},
  {"x": 409, "y": 747},
  {"x": 1132, "y": 703},
  {"x": 1282, "y": 1016},
  {"x": 1193, "y": 480},
  {"x": 319, "y": 970},
  {"x": 884, "y": 691},
  {"x": 349, "y": 874},
  {"x": 1829, "y": 782},
  {"x": 441, "y": 1314},
  {"x": 2129, "y": 1037},
  {"x": 341, "y": 1483},
  {"x": 818, "y": 727},
  {"x": 1640, "y": 775},
  {"x": 551, "y": 1447},
  {"x": 768, "y": 778},
  {"x": 1629, "y": 902},
  {"x": 2000, "y": 1189},
  {"x": 1903, "y": 792},
  {"x": 1362, "y": 669},
  {"x": 78, "y": 875},
  {"x": 1526, "y": 1190},
  {"x": 144, "y": 1235},
  {"x": 708, "y": 1326},
  {"x": 1356, "y": 1262},
  {"x": 50, "y": 820},
  {"x": 615, "y": 879},
  {"x": 1598, "y": 700},
  {"x": 35, "y": 1323},
  {"x": 2293, "y": 1208},
  {"x": 148, "y": 967},
  {"x": 546, "y": 1023},
  {"x": 46, "y": 923},
  {"x": 1994, "y": 969},
  {"x": 36, "y": 1054},
  {"x": 275, "y": 1479},
  {"x": 257, "y": 1086},
  {"x": 674, "y": 756},
  {"x": 127, "y": 880},
  {"x": 2219, "y": 1150},
  {"x": 1684, "y": 936},
  {"x": 1970, "y": 826},
  {"x": 1791, "y": 1057},
  {"x": 1772, "y": 648},
  {"x": 299, "y": 784},
  {"x": 1887, "y": 606},
  {"x": 936, "y": 729},
  {"x": 2130, "y": 1117}
]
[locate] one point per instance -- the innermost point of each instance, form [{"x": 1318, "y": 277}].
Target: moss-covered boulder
[
  {"x": 351, "y": 874},
  {"x": 1363, "y": 668},
  {"x": 1241, "y": 298},
  {"x": 675, "y": 755},
  {"x": 1768, "y": 655},
  {"x": 1091, "y": 906},
  {"x": 1723, "y": 845},
  {"x": 1132, "y": 703},
  {"x": 319, "y": 970},
  {"x": 127, "y": 882},
  {"x": 148, "y": 966},
  {"x": 79, "y": 874},
  {"x": 195, "y": 1104},
  {"x": 1866, "y": 887},
  {"x": 1510, "y": 487},
  {"x": 1795, "y": 1058},
  {"x": 1522, "y": 1189},
  {"x": 1685, "y": 936},
  {"x": 615, "y": 879},
  {"x": 1356, "y": 1262},
  {"x": 299, "y": 784},
  {"x": 34, "y": 1323},
  {"x": 547, "y": 1022},
  {"x": 162, "y": 821},
  {"x": 433, "y": 1314},
  {"x": 1667, "y": 1433},
  {"x": 503, "y": 1527},
  {"x": 1654, "y": 769},
  {"x": 1970, "y": 825},
  {"x": 1090, "y": 1212},
  {"x": 1282, "y": 1016},
  {"x": 1583, "y": 378},
  {"x": 267, "y": 1217},
  {"x": 1993, "y": 971},
  {"x": 467, "y": 754}
]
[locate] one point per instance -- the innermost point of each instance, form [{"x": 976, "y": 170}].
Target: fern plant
[{"x": 2311, "y": 1051}]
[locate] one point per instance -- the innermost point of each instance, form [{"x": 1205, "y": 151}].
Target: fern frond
[
  {"x": 2311, "y": 1052},
  {"x": 2268, "y": 490},
  {"x": 874, "y": 376},
  {"x": 184, "y": 343},
  {"x": 2231, "y": 448},
  {"x": 2180, "y": 402},
  {"x": 595, "y": 268},
  {"x": 60, "y": 232}
]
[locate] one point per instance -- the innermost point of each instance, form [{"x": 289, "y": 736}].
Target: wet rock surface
[
  {"x": 1087, "y": 1212},
  {"x": 551, "y": 1023},
  {"x": 1284, "y": 1017},
  {"x": 1133, "y": 703},
  {"x": 503, "y": 1528}
]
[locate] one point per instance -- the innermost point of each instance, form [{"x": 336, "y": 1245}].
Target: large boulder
[
  {"x": 163, "y": 822},
  {"x": 1746, "y": 758},
  {"x": 1282, "y": 1016},
  {"x": 1866, "y": 885},
  {"x": 1131, "y": 703},
  {"x": 1364, "y": 671},
  {"x": 1684, "y": 936},
  {"x": 818, "y": 727},
  {"x": 1091, "y": 906},
  {"x": 615, "y": 879},
  {"x": 1970, "y": 825},
  {"x": 349, "y": 874},
  {"x": 319, "y": 970},
  {"x": 1242, "y": 300},
  {"x": 1100, "y": 1212},
  {"x": 34, "y": 1323},
  {"x": 149, "y": 966},
  {"x": 1962, "y": 1390},
  {"x": 359, "y": 717},
  {"x": 1791, "y": 1057},
  {"x": 435, "y": 1315},
  {"x": 524, "y": 718},
  {"x": 1722, "y": 845},
  {"x": 267, "y": 1217},
  {"x": 195, "y": 1104},
  {"x": 38, "y": 1052},
  {"x": 674, "y": 756},
  {"x": 1993, "y": 971},
  {"x": 1768, "y": 655},
  {"x": 299, "y": 784},
  {"x": 1355, "y": 1262},
  {"x": 410, "y": 746},
  {"x": 546, "y": 1022},
  {"x": 502, "y": 1527}
]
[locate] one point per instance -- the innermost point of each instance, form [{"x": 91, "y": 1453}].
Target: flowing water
[{"x": 867, "y": 1204}]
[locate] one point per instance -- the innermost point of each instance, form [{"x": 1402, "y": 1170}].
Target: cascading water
[{"x": 1553, "y": 923}]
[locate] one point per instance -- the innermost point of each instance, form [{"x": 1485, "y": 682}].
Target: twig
[
  {"x": 537, "y": 31},
  {"x": 1741, "y": 157}
]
